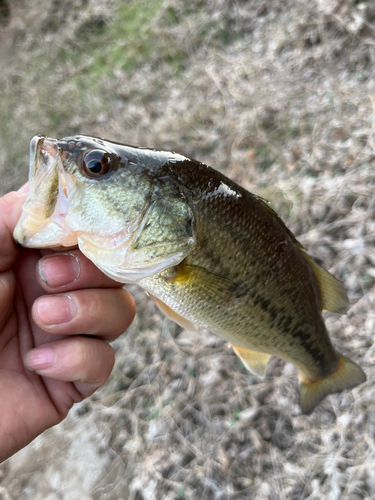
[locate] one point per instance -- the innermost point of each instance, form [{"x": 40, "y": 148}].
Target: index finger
[{"x": 71, "y": 270}]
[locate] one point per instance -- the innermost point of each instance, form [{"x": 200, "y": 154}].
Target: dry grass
[{"x": 279, "y": 96}]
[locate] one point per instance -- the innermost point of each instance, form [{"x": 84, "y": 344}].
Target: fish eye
[{"x": 96, "y": 163}]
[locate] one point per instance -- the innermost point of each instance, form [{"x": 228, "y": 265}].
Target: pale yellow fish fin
[
  {"x": 333, "y": 295},
  {"x": 346, "y": 375},
  {"x": 171, "y": 314},
  {"x": 255, "y": 362}
]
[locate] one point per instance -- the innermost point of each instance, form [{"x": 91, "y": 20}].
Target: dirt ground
[{"x": 279, "y": 96}]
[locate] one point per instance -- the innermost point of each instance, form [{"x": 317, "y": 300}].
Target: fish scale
[{"x": 210, "y": 253}]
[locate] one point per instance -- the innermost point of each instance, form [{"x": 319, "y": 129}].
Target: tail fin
[{"x": 346, "y": 375}]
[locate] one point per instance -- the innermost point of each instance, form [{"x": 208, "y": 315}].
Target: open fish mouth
[{"x": 43, "y": 220}]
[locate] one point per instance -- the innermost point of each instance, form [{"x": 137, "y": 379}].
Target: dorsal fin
[
  {"x": 272, "y": 212},
  {"x": 333, "y": 295}
]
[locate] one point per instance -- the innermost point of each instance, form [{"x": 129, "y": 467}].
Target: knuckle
[{"x": 95, "y": 360}]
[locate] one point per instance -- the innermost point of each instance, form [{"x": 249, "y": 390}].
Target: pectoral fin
[
  {"x": 255, "y": 362},
  {"x": 208, "y": 284},
  {"x": 333, "y": 295},
  {"x": 171, "y": 314}
]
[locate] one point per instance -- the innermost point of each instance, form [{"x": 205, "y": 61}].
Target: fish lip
[
  {"x": 41, "y": 148},
  {"x": 45, "y": 159}
]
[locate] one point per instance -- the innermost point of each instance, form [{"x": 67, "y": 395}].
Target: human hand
[{"x": 54, "y": 347}]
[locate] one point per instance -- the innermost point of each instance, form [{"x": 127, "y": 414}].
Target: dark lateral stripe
[
  {"x": 315, "y": 353},
  {"x": 285, "y": 325}
]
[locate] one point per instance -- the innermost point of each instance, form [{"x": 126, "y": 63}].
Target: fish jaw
[
  {"x": 43, "y": 220},
  {"x": 118, "y": 263}
]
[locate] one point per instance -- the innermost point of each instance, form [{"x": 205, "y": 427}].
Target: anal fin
[
  {"x": 255, "y": 362},
  {"x": 171, "y": 314}
]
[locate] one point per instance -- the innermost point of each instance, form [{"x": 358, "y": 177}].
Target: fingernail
[
  {"x": 39, "y": 358},
  {"x": 56, "y": 309},
  {"x": 58, "y": 270}
]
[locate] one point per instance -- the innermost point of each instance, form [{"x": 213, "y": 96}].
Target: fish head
[{"x": 106, "y": 198}]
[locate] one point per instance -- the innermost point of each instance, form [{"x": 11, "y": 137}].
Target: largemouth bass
[{"x": 210, "y": 253}]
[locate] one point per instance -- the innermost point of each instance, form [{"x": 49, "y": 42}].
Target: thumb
[{"x": 10, "y": 212}]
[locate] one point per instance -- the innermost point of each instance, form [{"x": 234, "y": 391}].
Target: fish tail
[{"x": 346, "y": 375}]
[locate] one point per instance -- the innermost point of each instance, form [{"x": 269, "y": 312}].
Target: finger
[
  {"x": 105, "y": 313},
  {"x": 75, "y": 359},
  {"x": 24, "y": 188},
  {"x": 10, "y": 212},
  {"x": 71, "y": 271},
  {"x": 7, "y": 288}
]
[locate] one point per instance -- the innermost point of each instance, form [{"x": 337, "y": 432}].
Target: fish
[{"x": 209, "y": 253}]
